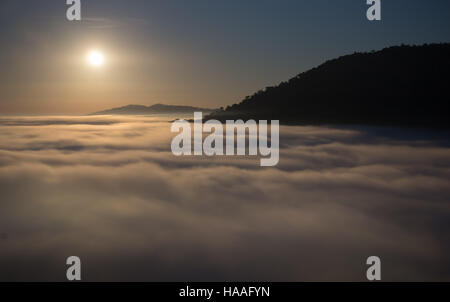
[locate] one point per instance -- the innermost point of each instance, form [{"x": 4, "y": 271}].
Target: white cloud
[{"x": 109, "y": 190}]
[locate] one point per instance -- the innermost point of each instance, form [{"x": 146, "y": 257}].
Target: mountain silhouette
[
  {"x": 401, "y": 85},
  {"x": 154, "y": 109}
]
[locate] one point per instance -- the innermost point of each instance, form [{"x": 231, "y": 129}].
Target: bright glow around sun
[{"x": 96, "y": 58}]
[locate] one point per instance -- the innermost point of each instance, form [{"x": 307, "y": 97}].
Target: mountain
[
  {"x": 154, "y": 109},
  {"x": 401, "y": 85}
]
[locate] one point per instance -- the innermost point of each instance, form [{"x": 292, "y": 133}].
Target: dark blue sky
[{"x": 199, "y": 52}]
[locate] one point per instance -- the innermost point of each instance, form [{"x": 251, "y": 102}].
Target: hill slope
[
  {"x": 403, "y": 85},
  {"x": 154, "y": 109}
]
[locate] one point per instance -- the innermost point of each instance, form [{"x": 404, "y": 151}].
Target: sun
[{"x": 96, "y": 58}]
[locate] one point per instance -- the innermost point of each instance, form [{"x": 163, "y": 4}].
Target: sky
[{"x": 199, "y": 53}]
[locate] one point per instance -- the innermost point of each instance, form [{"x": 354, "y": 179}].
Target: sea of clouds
[{"x": 109, "y": 190}]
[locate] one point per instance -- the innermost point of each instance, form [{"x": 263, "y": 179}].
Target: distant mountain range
[
  {"x": 154, "y": 109},
  {"x": 402, "y": 85}
]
